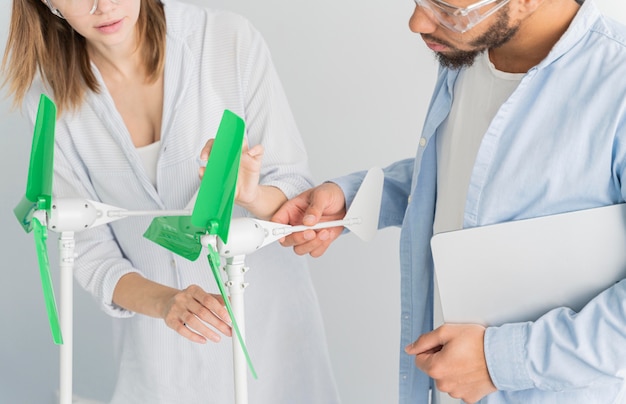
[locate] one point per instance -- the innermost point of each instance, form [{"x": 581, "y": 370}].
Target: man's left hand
[{"x": 454, "y": 356}]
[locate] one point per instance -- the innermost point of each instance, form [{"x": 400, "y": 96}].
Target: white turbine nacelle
[
  {"x": 245, "y": 236},
  {"x": 71, "y": 215},
  {"x": 76, "y": 214}
]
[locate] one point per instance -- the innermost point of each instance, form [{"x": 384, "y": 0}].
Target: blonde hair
[{"x": 41, "y": 42}]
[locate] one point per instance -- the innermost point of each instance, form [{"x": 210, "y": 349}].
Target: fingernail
[
  {"x": 308, "y": 235},
  {"x": 308, "y": 219},
  {"x": 324, "y": 235},
  {"x": 226, "y": 318}
]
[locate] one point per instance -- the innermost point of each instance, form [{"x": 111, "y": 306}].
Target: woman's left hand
[{"x": 249, "y": 171}]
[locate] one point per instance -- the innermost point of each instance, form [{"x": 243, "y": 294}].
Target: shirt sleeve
[
  {"x": 563, "y": 349},
  {"x": 270, "y": 121}
]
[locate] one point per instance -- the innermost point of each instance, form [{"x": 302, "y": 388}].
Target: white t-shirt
[
  {"x": 479, "y": 92},
  {"x": 149, "y": 155}
]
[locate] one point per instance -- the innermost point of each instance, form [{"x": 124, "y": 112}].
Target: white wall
[{"x": 359, "y": 83}]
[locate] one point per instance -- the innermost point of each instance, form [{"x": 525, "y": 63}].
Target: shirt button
[
  {"x": 423, "y": 142},
  {"x": 409, "y": 199}
]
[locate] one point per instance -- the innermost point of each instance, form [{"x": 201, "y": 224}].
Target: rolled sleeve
[
  {"x": 506, "y": 355},
  {"x": 99, "y": 268}
]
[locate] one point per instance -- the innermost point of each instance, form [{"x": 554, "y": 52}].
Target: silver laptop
[{"x": 518, "y": 271}]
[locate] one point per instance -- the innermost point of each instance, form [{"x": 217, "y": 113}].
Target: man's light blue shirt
[{"x": 558, "y": 144}]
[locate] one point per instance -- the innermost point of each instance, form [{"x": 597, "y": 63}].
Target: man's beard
[{"x": 497, "y": 35}]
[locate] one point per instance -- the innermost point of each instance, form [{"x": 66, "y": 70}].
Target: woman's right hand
[{"x": 196, "y": 314}]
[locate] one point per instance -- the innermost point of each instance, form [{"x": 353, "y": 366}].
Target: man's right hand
[{"x": 323, "y": 203}]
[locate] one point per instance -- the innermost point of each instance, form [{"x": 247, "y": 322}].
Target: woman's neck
[{"x": 119, "y": 63}]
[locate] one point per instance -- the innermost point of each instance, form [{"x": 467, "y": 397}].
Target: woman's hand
[
  {"x": 190, "y": 311},
  {"x": 249, "y": 171},
  {"x": 260, "y": 200}
]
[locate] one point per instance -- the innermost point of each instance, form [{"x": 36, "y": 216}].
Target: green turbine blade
[
  {"x": 214, "y": 205},
  {"x": 214, "y": 263},
  {"x": 24, "y": 213},
  {"x": 39, "y": 183},
  {"x": 42, "y": 154},
  {"x": 46, "y": 281},
  {"x": 177, "y": 234}
]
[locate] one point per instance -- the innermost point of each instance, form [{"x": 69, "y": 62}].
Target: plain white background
[{"x": 359, "y": 83}]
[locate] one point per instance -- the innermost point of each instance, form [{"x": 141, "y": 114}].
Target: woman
[{"x": 141, "y": 86}]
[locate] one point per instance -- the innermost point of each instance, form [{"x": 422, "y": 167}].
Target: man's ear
[{"x": 524, "y": 8}]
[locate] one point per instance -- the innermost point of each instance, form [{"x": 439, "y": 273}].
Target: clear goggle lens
[
  {"x": 460, "y": 19},
  {"x": 74, "y": 8}
]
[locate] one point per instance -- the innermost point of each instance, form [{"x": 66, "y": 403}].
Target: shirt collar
[{"x": 587, "y": 18}]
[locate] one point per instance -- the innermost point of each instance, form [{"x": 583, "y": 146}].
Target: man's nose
[{"x": 422, "y": 21}]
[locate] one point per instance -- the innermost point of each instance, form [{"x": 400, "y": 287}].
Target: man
[{"x": 527, "y": 119}]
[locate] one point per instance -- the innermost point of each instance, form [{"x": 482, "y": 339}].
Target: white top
[
  {"x": 215, "y": 61},
  {"x": 479, "y": 92},
  {"x": 149, "y": 155}
]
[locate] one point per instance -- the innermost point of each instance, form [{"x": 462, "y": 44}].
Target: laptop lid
[{"x": 518, "y": 271}]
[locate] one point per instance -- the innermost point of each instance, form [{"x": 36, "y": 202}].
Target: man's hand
[
  {"x": 454, "y": 356},
  {"x": 323, "y": 203}
]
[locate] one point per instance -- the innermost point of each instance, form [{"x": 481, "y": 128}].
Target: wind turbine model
[
  {"x": 210, "y": 226},
  {"x": 39, "y": 212}
]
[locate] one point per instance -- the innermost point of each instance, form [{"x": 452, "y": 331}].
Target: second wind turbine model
[{"x": 210, "y": 227}]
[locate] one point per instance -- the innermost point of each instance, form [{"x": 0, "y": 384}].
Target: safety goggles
[
  {"x": 74, "y": 8},
  {"x": 460, "y": 19}
]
